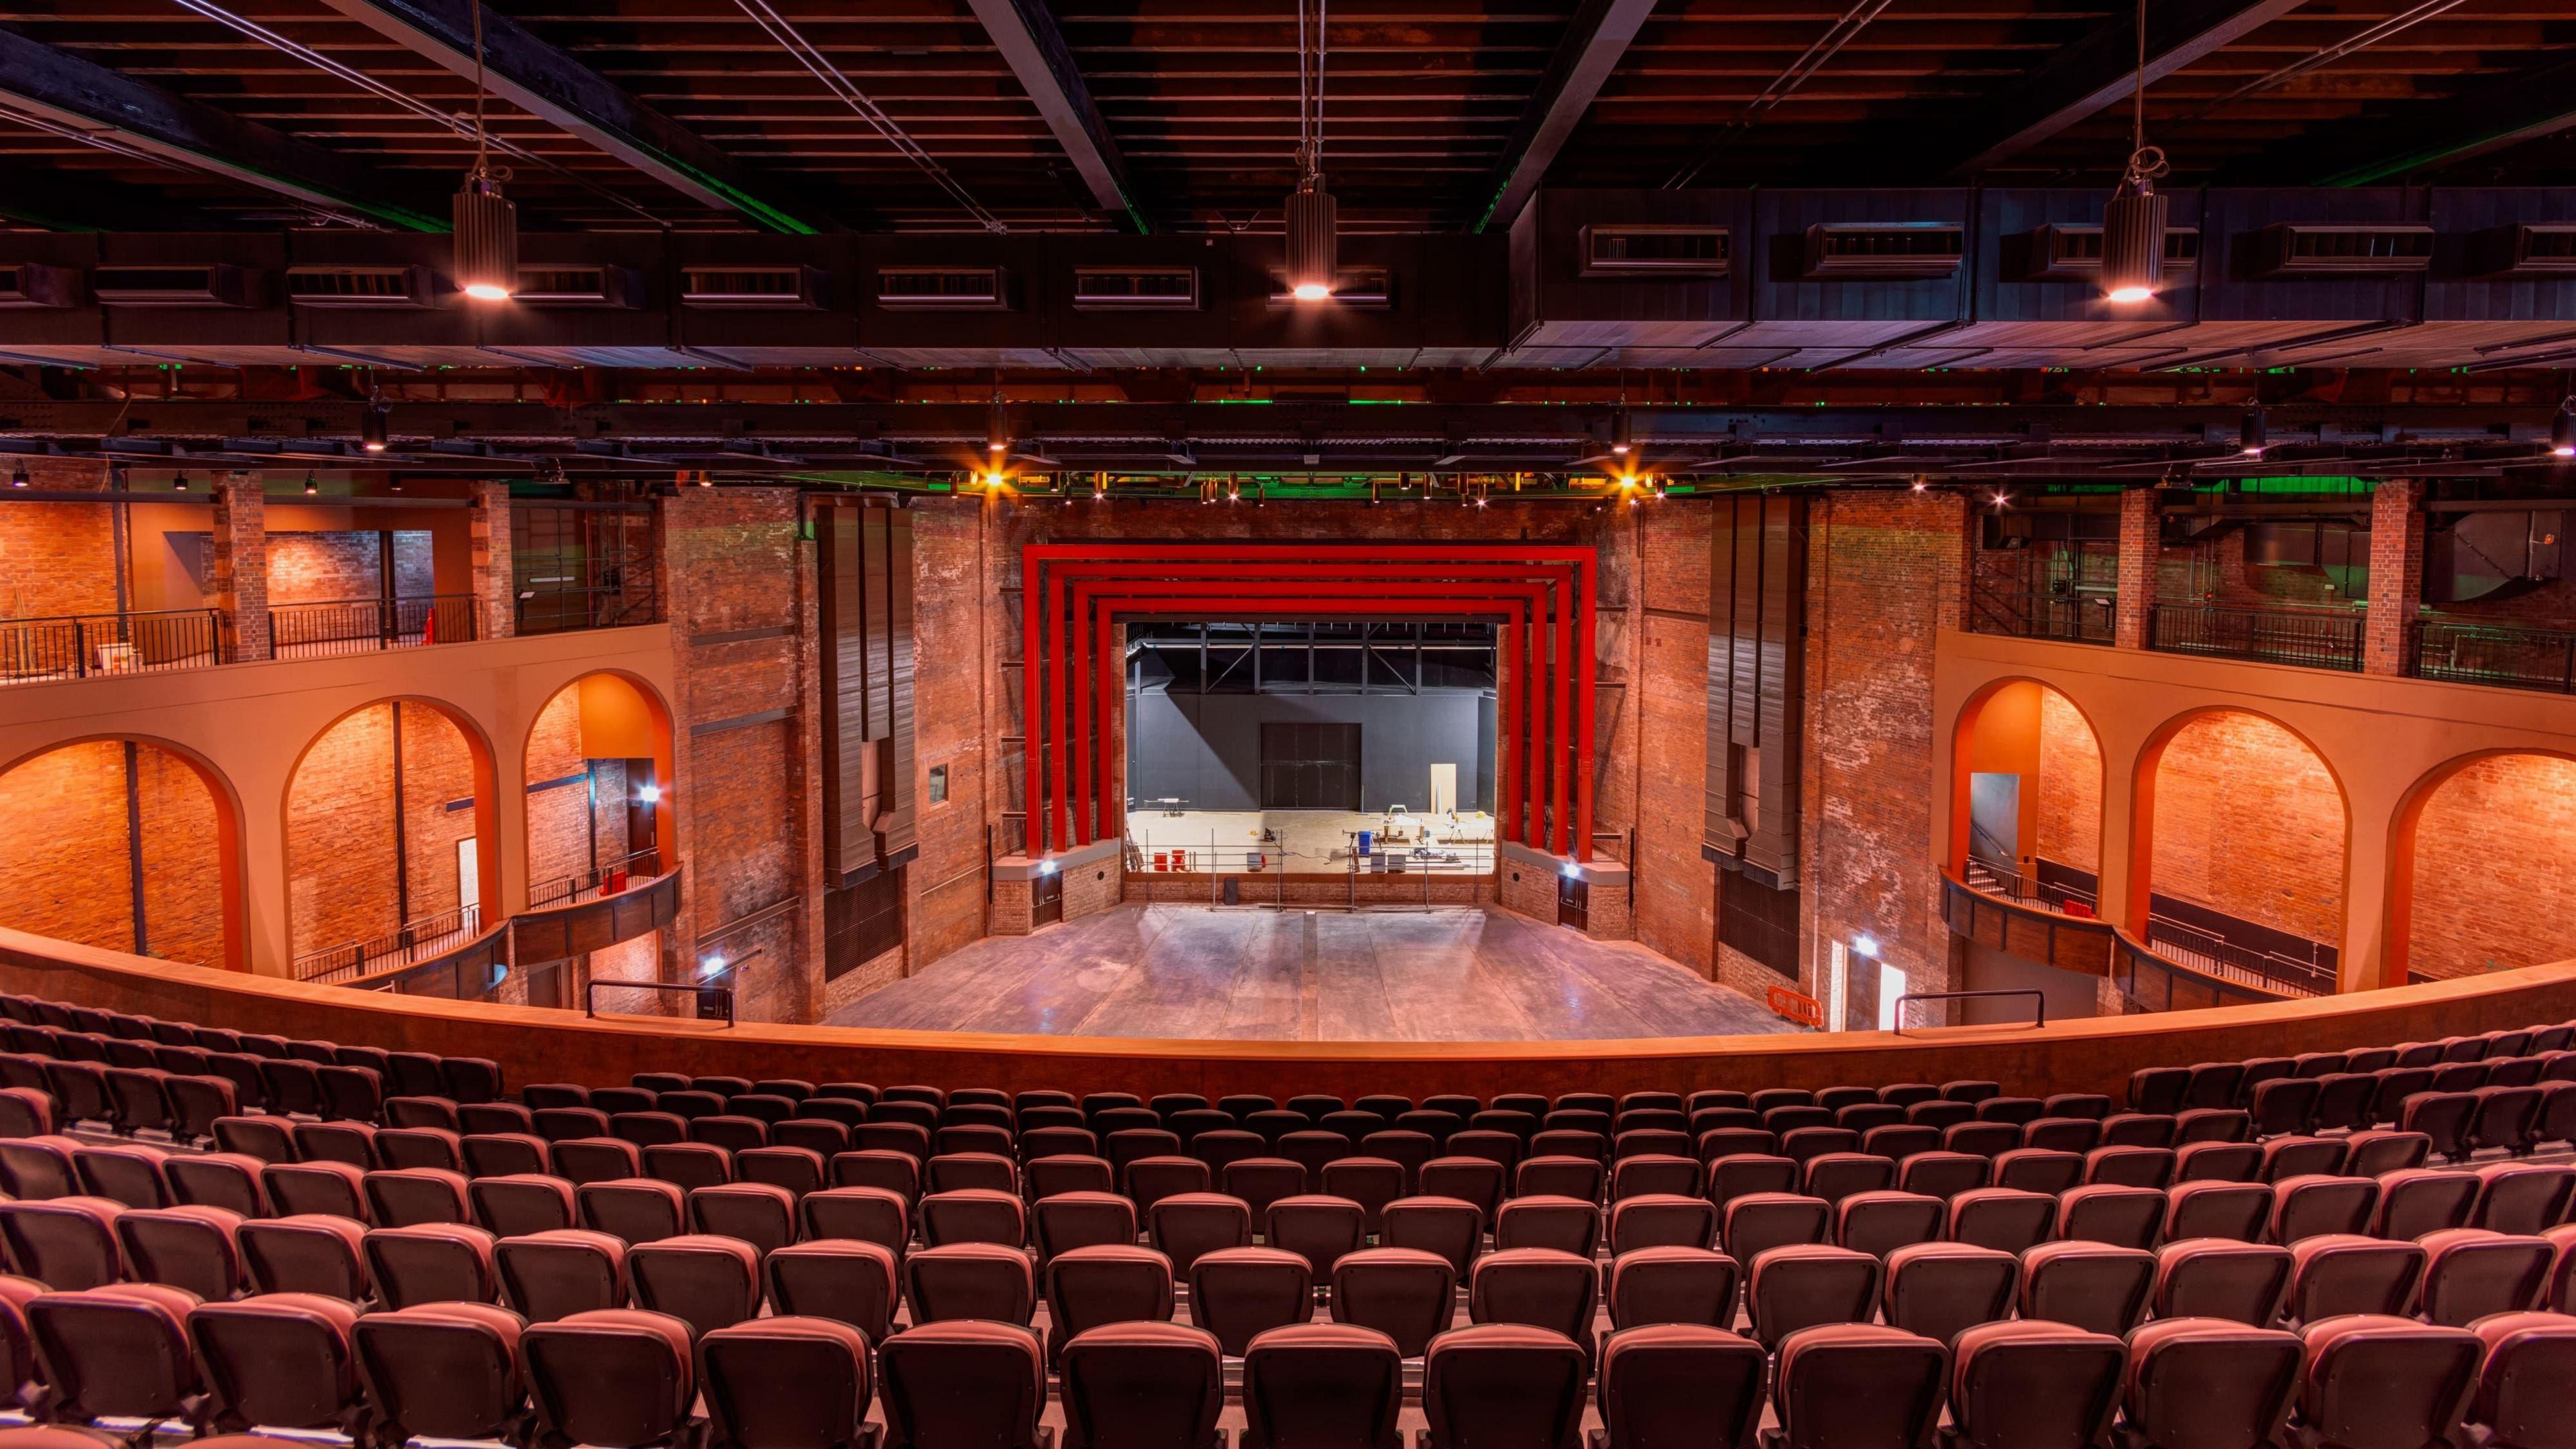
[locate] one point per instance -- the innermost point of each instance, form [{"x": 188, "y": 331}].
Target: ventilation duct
[
  {"x": 2072, "y": 252},
  {"x": 780, "y": 288},
  {"x": 2535, "y": 249},
  {"x": 361, "y": 286},
  {"x": 2492, "y": 556},
  {"x": 944, "y": 289},
  {"x": 1907, "y": 250},
  {"x": 2303, "y": 249},
  {"x": 1656, "y": 251},
  {"x": 580, "y": 286},
  {"x": 219, "y": 284},
  {"x": 1135, "y": 289},
  {"x": 32, "y": 284}
]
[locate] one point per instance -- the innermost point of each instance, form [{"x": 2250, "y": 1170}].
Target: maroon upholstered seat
[
  {"x": 2037, "y": 1385},
  {"x": 1112, "y": 1283},
  {"x": 120, "y": 1350},
  {"x": 2092, "y": 1285},
  {"x": 784, "y": 1383},
  {"x": 1802, "y": 1285},
  {"x": 309, "y": 1253},
  {"x": 847, "y": 1281},
  {"x": 1941, "y": 1289},
  {"x": 1142, "y": 1383},
  {"x": 970, "y": 1280},
  {"x": 1846, "y": 1385},
  {"x": 196, "y": 1248},
  {"x": 2471, "y": 1272},
  {"x": 1321, "y": 1386},
  {"x": 616, "y": 1378},
  {"x": 432, "y": 1263},
  {"x": 1405, "y": 1293},
  {"x": 1240, "y": 1293},
  {"x": 964, "y": 1385},
  {"x": 561, "y": 1272},
  {"x": 446, "y": 1370},
  {"x": 1678, "y": 1386},
  {"x": 2375, "y": 1382},
  {"x": 2527, "y": 1382},
  {"x": 1503, "y": 1386},
  {"x": 2337, "y": 1273},
  {"x": 2217, "y": 1278},
  {"x": 282, "y": 1359},
  {"x": 705, "y": 1281}
]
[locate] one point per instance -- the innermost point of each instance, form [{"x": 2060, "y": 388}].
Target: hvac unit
[
  {"x": 1655, "y": 250},
  {"x": 1135, "y": 289},
  {"x": 787, "y": 287},
  {"x": 213, "y": 284},
  {"x": 33, "y": 284},
  {"x": 1900, "y": 250},
  {"x": 561, "y": 285},
  {"x": 2308, "y": 249},
  {"x": 2530, "y": 249},
  {"x": 1627, "y": 278},
  {"x": 362, "y": 286},
  {"x": 943, "y": 289}
]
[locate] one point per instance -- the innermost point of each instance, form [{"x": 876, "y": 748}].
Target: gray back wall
[{"x": 1206, "y": 749}]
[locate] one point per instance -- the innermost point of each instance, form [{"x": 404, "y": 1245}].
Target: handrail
[
  {"x": 488, "y": 951},
  {"x": 720, "y": 997},
  {"x": 2040, "y": 1019},
  {"x": 349, "y": 626},
  {"x": 2317, "y": 637},
  {"x": 2502, "y": 655},
  {"x": 564, "y": 888},
  {"x": 565, "y": 929},
  {"x": 2124, "y": 949},
  {"x": 77, "y": 646},
  {"x": 336, "y": 965}
]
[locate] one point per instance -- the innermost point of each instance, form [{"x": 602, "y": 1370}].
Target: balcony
[
  {"x": 2178, "y": 967},
  {"x": 79, "y": 646},
  {"x": 353, "y": 626},
  {"x": 456, "y": 954},
  {"x": 2495, "y": 654},
  {"x": 2079, "y": 618},
  {"x": 2311, "y": 638}
]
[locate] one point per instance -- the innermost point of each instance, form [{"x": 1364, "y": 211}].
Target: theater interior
[{"x": 1132, "y": 724}]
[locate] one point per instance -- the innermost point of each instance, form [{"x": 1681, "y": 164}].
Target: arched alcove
[
  {"x": 2026, "y": 792},
  {"x": 2243, "y": 849},
  {"x": 389, "y": 838},
  {"x": 2482, "y": 856},
  {"x": 128, "y": 844},
  {"x": 599, "y": 816}
]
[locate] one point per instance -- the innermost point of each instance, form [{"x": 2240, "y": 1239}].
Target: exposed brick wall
[
  {"x": 2139, "y": 573},
  {"x": 953, "y": 613},
  {"x": 1528, "y": 890},
  {"x": 1093, "y": 888},
  {"x": 1011, "y": 911},
  {"x": 2396, "y": 574},
  {"x": 879, "y": 971},
  {"x": 562, "y": 823},
  {"x": 1188, "y": 889},
  {"x": 1885, "y": 574},
  {"x": 1676, "y": 910},
  {"x": 68, "y": 858},
  {"x": 2249, "y": 822},
  {"x": 2492, "y": 883},
  {"x": 56, "y": 558},
  {"x": 741, "y": 861},
  {"x": 323, "y": 566},
  {"x": 340, "y": 844},
  {"x": 2070, "y": 785}
]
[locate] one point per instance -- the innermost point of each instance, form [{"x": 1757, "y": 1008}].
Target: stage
[{"x": 1193, "y": 972}]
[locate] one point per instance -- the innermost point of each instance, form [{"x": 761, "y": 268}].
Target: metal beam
[
  {"x": 1594, "y": 40},
  {"x": 2489, "y": 116},
  {"x": 2100, "y": 70},
  {"x": 547, "y": 83},
  {"x": 63, "y": 93},
  {"x": 1026, "y": 35}
]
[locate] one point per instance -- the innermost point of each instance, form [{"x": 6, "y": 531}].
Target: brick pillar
[
  {"x": 495, "y": 585},
  {"x": 241, "y": 563},
  {"x": 2396, "y": 574},
  {"x": 2140, "y": 545}
]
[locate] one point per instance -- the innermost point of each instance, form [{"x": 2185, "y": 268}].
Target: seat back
[
  {"x": 1845, "y": 1384},
  {"x": 784, "y": 1383},
  {"x": 431, "y": 1263},
  {"x": 2378, "y": 1382},
  {"x": 970, "y": 1280},
  {"x": 1405, "y": 1293},
  {"x": 1112, "y": 1283},
  {"x": 2215, "y": 1278},
  {"x": 2528, "y": 1380},
  {"x": 848, "y": 1282},
  {"x": 615, "y": 1378},
  {"x": 2033, "y": 1386},
  {"x": 1240, "y": 1293},
  {"x": 119, "y": 1350},
  {"x": 2472, "y": 1272},
  {"x": 1321, "y": 1386},
  {"x": 705, "y": 1281},
  {"x": 282, "y": 1359},
  {"x": 1142, "y": 1384},
  {"x": 2094, "y": 1286},
  {"x": 447, "y": 1370},
  {"x": 195, "y": 1248},
  {"x": 1540, "y": 1287},
  {"x": 307, "y": 1253},
  {"x": 67, "y": 1243},
  {"x": 1679, "y": 1386},
  {"x": 1940, "y": 1289},
  {"x": 1802, "y": 1285},
  {"x": 964, "y": 1385},
  {"x": 1503, "y": 1386},
  {"x": 561, "y": 1272},
  {"x": 2341, "y": 1273}
]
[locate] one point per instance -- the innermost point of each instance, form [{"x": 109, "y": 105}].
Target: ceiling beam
[
  {"x": 2490, "y": 116},
  {"x": 545, "y": 82},
  {"x": 2100, "y": 70},
  {"x": 1594, "y": 40},
  {"x": 1026, "y": 35},
  {"x": 88, "y": 201},
  {"x": 87, "y": 102}
]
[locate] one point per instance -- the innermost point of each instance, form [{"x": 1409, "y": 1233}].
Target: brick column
[
  {"x": 495, "y": 584},
  {"x": 2140, "y": 545},
  {"x": 241, "y": 563},
  {"x": 2396, "y": 574}
]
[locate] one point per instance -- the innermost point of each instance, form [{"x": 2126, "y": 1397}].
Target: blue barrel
[{"x": 1367, "y": 837}]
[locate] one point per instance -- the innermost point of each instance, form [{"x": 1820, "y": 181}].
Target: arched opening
[
  {"x": 123, "y": 844},
  {"x": 2244, "y": 853},
  {"x": 2481, "y": 857},
  {"x": 389, "y": 849},
  {"x": 599, "y": 816},
  {"x": 2026, "y": 797}
]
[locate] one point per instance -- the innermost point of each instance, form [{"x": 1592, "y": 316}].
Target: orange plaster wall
[{"x": 2495, "y": 868}]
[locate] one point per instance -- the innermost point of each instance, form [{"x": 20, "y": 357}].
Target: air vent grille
[
  {"x": 360, "y": 286},
  {"x": 1136, "y": 289},
  {"x": 2299, "y": 249},
  {"x": 579, "y": 286},
  {"x": 218, "y": 285},
  {"x": 2530, "y": 249},
  {"x": 2072, "y": 252},
  {"x": 1668, "y": 251},
  {"x": 1905, "y": 249},
  {"x": 784, "y": 288},
  {"x": 943, "y": 289},
  {"x": 32, "y": 284}
]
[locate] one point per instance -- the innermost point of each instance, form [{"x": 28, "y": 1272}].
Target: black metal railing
[
  {"x": 713, "y": 1003},
  {"x": 2317, "y": 638},
  {"x": 2077, "y": 618},
  {"x": 2152, "y": 982},
  {"x": 2244, "y": 965},
  {"x": 636, "y": 865},
  {"x": 77, "y": 646},
  {"x": 2027, "y": 889},
  {"x": 412, "y": 941},
  {"x": 2495, "y": 654},
  {"x": 2039, "y": 1009},
  {"x": 354, "y": 626}
]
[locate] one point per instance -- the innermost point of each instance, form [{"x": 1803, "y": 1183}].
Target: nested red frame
[{"x": 1082, "y": 589}]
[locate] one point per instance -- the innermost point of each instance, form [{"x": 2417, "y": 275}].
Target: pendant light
[
  {"x": 2133, "y": 221},
  {"x": 487, "y": 225},
  {"x": 2562, "y": 431},
  {"x": 371, "y": 428},
  {"x": 1313, "y": 221}
]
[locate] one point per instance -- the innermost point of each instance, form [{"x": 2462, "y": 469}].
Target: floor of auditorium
[{"x": 1197, "y": 973}]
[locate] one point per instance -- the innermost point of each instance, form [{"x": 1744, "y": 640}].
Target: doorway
[
  {"x": 1444, "y": 789},
  {"x": 1574, "y": 903},
  {"x": 469, "y": 878},
  {"x": 1994, "y": 819},
  {"x": 1046, "y": 899}
]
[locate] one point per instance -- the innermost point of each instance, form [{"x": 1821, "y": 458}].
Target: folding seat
[
  {"x": 1943, "y": 1175},
  {"x": 1238, "y": 1293},
  {"x": 283, "y": 1360},
  {"x": 1080, "y": 1220},
  {"x": 2347, "y": 1273},
  {"x": 501, "y": 1154},
  {"x": 432, "y": 1263},
  {"x": 2127, "y": 1217},
  {"x": 1318, "y": 1228},
  {"x": 659, "y": 1082},
  {"x": 118, "y": 1351},
  {"x": 2234, "y": 1211},
  {"x": 636, "y": 1210},
  {"x": 2471, "y": 1272},
  {"x": 2215, "y": 1278},
  {"x": 2421, "y": 1200},
  {"x": 2377, "y": 1382},
  {"x": 2139, "y": 1129},
  {"x": 1656, "y": 1173},
  {"x": 1663, "y": 1220},
  {"x": 353, "y": 1143},
  {"x": 2556, "y": 1121},
  {"x": 2017, "y": 1111},
  {"x": 1186, "y": 1226},
  {"x": 550, "y": 1275},
  {"x": 986, "y": 1140},
  {"x": 2091, "y": 1285},
  {"x": 908, "y": 1138},
  {"x": 2343, "y": 1101},
  {"x": 195, "y": 1248},
  {"x": 1941, "y": 1114},
  {"x": 1385, "y": 1105},
  {"x": 1867, "y": 1117},
  {"x": 648, "y": 1128},
  {"x": 126, "y": 1172},
  {"x": 1469, "y": 1179},
  {"x": 445, "y": 1370},
  {"x": 1524, "y": 1125},
  {"x": 1118, "y": 1283},
  {"x": 212, "y": 1179},
  {"x": 2031, "y": 1170},
  {"x": 1900, "y": 1143},
  {"x": 2561, "y": 1297},
  {"x": 2212, "y": 1124},
  {"x": 770, "y": 1110},
  {"x": 1939, "y": 1289},
  {"x": 1259, "y": 1181},
  {"x": 2282, "y": 1106},
  {"x": 2212, "y": 1084},
  {"x": 1148, "y": 1180},
  {"x": 26, "y": 1112},
  {"x": 1539, "y": 1288},
  {"x": 1799, "y": 1144},
  {"x": 2520, "y": 1197},
  {"x": 1878, "y": 1223},
  {"x": 845, "y": 1281},
  {"x": 1221, "y": 1148},
  {"x": 566, "y": 1124},
  {"x": 970, "y": 1280},
  {"x": 693, "y": 1104},
  {"x": 866, "y": 1095},
  {"x": 1038, "y": 1142},
  {"x": 403, "y": 1197},
  {"x": 1758, "y": 1222},
  {"x": 1772, "y": 1098},
  {"x": 2033, "y": 1386},
  {"x": 689, "y": 1165},
  {"x": 2068, "y": 1134},
  {"x": 1372, "y": 1182},
  {"x": 818, "y": 1135},
  {"x": 1858, "y": 1384},
  {"x": 2306, "y": 1207},
  {"x": 351, "y": 1094},
  {"x": 421, "y": 1147},
  {"x": 1667, "y": 1385},
  {"x": 1168, "y": 1105},
  {"x": 1569, "y": 1225},
  {"x": 1453, "y": 1229},
  {"x": 1243, "y": 1104},
  {"x": 864, "y": 1214},
  {"x": 2526, "y": 1383},
  {"x": 2464, "y": 1078},
  {"x": 892, "y": 1172},
  {"x": 1741, "y": 1174},
  {"x": 1500, "y": 1148},
  {"x": 734, "y": 1134},
  {"x": 785, "y": 1383},
  {"x": 1047, "y": 1177},
  {"x": 2218, "y": 1162},
  {"x": 1436, "y": 1125},
  {"x": 1314, "y": 1106},
  {"x": 1712, "y": 1143},
  {"x": 962, "y": 1386},
  {"x": 80, "y": 1092},
  {"x": 137, "y": 1101},
  {"x": 66, "y": 1243},
  {"x": 1783, "y": 1120},
  {"x": 1407, "y": 1294},
  {"x": 517, "y": 1205},
  {"x": 1805, "y": 1284},
  {"x": 1837, "y": 1175},
  {"x": 2002, "y": 1217},
  {"x": 2444, "y": 1117},
  {"x": 1599, "y": 1101},
  {"x": 2158, "y": 1089},
  {"x": 1505, "y": 1385},
  {"x": 611, "y": 1377},
  {"x": 2130, "y": 1166},
  {"x": 762, "y": 1214},
  {"x": 2396, "y": 1085},
  {"x": 705, "y": 1281},
  {"x": 2370, "y": 1059},
  {"x": 2288, "y": 1157},
  {"x": 313, "y": 1253},
  {"x": 294, "y": 1086},
  {"x": 435, "y": 1112}
]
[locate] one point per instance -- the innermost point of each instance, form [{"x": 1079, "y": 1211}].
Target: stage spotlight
[
  {"x": 2562, "y": 432},
  {"x": 1622, "y": 437},
  {"x": 487, "y": 239},
  {"x": 2250, "y": 438},
  {"x": 179, "y": 482},
  {"x": 649, "y": 794},
  {"x": 311, "y": 487},
  {"x": 997, "y": 430},
  {"x": 371, "y": 428},
  {"x": 1313, "y": 242},
  {"x": 18, "y": 476}
]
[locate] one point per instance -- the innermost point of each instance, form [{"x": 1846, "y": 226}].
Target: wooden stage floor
[{"x": 1193, "y": 972}]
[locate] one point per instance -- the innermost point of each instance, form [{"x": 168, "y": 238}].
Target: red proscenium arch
[{"x": 1079, "y": 590}]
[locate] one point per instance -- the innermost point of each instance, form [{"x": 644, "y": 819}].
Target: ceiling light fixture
[
  {"x": 311, "y": 487},
  {"x": 2250, "y": 436},
  {"x": 18, "y": 476},
  {"x": 487, "y": 225},
  {"x": 2562, "y": 432},
  {"x": 1621, "y": 435},
  {"x": 2133, "y": 221},
  {"x": 1313, "y": 222},
  {"x": 997, "y": 427},
  {"x": 179, "y": 482},
  {"x": 371, "y": 427}
]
